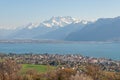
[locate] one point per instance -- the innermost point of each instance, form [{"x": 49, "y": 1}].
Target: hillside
[{"x": 104, "y": 29}]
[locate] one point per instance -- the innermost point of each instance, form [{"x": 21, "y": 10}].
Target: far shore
[{"x": 51, "y": 41}]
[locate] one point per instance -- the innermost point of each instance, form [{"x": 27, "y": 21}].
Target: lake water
[{"x": 107, "y": 50}]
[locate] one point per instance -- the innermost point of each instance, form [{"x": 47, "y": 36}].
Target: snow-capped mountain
[
  {"x": 68, "y": 28},
  {"x": 55, "y": 25},
  {"x": 59, "y": 21},
  {"x": 104, "y": 29}
]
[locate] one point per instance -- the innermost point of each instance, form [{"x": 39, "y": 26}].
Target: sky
[{"x": 14, "y": 13}]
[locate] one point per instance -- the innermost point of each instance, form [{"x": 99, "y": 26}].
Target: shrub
[{"x": 9, "y": 70}]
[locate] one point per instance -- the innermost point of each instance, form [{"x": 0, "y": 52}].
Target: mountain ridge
[
  {"x": 103, "y": 29},
  {"x": 68, "y": 29}
]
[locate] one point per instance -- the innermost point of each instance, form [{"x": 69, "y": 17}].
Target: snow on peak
[
  {"x": 59, "y": 21},
  {"x": 32, "y": 25},
  {"x": 84, "y": 21}
]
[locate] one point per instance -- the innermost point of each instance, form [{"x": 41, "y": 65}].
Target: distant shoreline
[
  {"x": 51, "y": 41},
  {"x": 67, "y": 54}
]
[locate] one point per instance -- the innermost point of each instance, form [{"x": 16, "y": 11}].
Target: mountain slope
[
  {"x": 61, "y": 33},
  {"x": 102, "y": 30},
  {"x": 5, "y": 33},
  {"x": 31, "y": 31},
  {"x": 26, "y": 33}
]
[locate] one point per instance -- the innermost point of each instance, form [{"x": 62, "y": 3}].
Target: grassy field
[
  {"x": 1, "y": 60},
  {"x": 38, "y": 68}
]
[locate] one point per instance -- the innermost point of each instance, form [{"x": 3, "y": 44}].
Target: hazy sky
[{"x": 18, "y": 12}]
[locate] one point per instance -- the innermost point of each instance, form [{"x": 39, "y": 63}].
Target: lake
[{"x": 107, "y": 50}]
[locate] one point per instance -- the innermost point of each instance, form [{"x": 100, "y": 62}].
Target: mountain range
[
  {"x": 68, "y": 29},
  {"x": 104, "y": 29}
]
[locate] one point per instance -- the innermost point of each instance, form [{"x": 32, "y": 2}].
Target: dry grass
[{"x": 81, "y": 77}]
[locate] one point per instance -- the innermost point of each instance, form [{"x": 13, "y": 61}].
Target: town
[{"x": 74, "y": 61}]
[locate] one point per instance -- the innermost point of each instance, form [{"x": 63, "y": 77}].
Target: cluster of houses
[{"x": 68, "y": 60}]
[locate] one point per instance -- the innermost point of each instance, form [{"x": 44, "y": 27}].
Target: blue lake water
[{"x": 107, "y": 50}]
